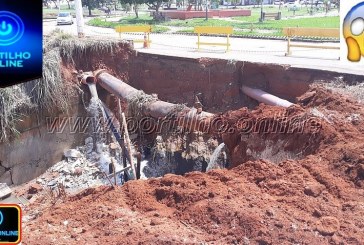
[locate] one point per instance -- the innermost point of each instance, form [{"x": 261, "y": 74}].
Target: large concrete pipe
[
  {"x": 264, "y": 97},
  {"x": 188, "y": 118}
]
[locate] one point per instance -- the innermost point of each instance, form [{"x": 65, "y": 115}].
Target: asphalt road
[{"x": 246, "y": 49}]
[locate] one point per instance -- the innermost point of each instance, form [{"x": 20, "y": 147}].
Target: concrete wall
[
  {"x": 37, "y": 148},
  {"x": 184, "y": 15},
  {"x": 231, "y": 12}
]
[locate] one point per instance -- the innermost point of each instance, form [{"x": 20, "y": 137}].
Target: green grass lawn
[
  {"x": 303, "y": 11},
  {"x": 244, "y": 25},
  {"x": 142, "y": 20},
  {"x": 332, "y": 22},
  {"x": 198, "y": 22},
  {"x": 329, "y": 22},
  {"x": 55, "y": 11},
  {"x": 271, "y": 9},
  {"x": 47, "y": 12}
]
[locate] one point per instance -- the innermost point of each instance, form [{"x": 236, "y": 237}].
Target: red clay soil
[{"x": 318, "y": 198}]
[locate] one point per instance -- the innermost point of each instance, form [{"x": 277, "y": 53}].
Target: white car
[{"x": 64, "y": 18}]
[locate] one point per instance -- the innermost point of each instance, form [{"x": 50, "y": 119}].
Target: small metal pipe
[
  {"x": 265, "y": 97},
  {"x": 93, "y": 90},
  {"x": 87, "y": 77},
  {"x": 109, "y": 117}
]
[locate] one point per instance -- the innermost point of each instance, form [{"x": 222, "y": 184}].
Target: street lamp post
[
  {"x": 261, "y": 11},
  {"x": 207, "y": 17}
]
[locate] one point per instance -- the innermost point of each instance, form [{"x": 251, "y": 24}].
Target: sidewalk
[
  {"x": 243, "y": 49},
  {"x": 302, "y": 58}
]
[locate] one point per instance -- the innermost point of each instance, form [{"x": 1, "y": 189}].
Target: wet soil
[{"x": 311, "y": 194}]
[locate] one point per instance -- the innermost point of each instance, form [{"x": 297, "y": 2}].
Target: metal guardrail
[
  {"x": 147, "y": 29},
  {"x": 226, "y": 31},
  {"x": 310, "y": 32},
  {"x": 111, "y": 33}
]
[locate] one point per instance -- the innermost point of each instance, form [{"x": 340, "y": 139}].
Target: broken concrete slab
[
  {"x": 72, "y": 153},
  {"x": 5, "y": 191}
]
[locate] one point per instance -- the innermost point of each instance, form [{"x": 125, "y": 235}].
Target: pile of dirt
[
  {"x": 272, "y": 133},
  {"x": 313, "y": 194}
]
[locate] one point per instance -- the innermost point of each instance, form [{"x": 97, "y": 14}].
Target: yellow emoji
[{"x": 353, "y": 30}]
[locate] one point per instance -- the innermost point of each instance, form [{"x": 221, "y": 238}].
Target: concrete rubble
[
  {"x": 81, "y": 168},
  {"x": 89, "y": 165},
  {"x": 5, "y": 191}
]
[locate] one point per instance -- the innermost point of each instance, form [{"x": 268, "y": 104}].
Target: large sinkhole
[{"x": 63, "y": 122}]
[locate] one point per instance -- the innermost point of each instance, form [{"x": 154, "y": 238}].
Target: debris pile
[
  {"x": 314, "y": 199},
  {"x": 82, "y": 168}
]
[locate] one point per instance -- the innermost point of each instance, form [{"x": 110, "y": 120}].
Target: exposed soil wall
[
  {"x": 218, "y": 81},
  {"x": 176, "y": 80}
]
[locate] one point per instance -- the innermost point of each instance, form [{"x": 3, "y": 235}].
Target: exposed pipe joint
[
  {"x": 98, "y": 73},
  {"x": 87, "y": 78}
]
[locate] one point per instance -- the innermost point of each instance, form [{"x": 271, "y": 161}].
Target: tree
[
  {"x": 55, "y": 3},
  {"x": 180, "y": 3},
  {"x": 134, "y": 3},
  {"x": 196, "y": 3},
  {"x": 256, "y": 2},
  {"x": 68, "y": 2},
  {"x": 126, "y": 7},
  {"x": 155, "y": 4},
  {"x": 113, "y": 3},
  {"x": 46, "y": 3},
  {"x": 235, "y": 2},
  {"x": 91, "y": 4},
  {"x": 337, "y": 4},
  {"x": 326, "y": 3}
]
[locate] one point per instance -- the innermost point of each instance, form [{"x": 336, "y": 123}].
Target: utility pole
[{"x": 79, "y": 18}]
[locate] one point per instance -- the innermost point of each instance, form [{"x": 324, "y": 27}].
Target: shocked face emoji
[{"x": 353, "y": 29}]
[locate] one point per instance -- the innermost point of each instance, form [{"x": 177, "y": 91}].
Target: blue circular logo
[
  {"x": 11, "y": 28},
  {"x": 1, "y": 217}
]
